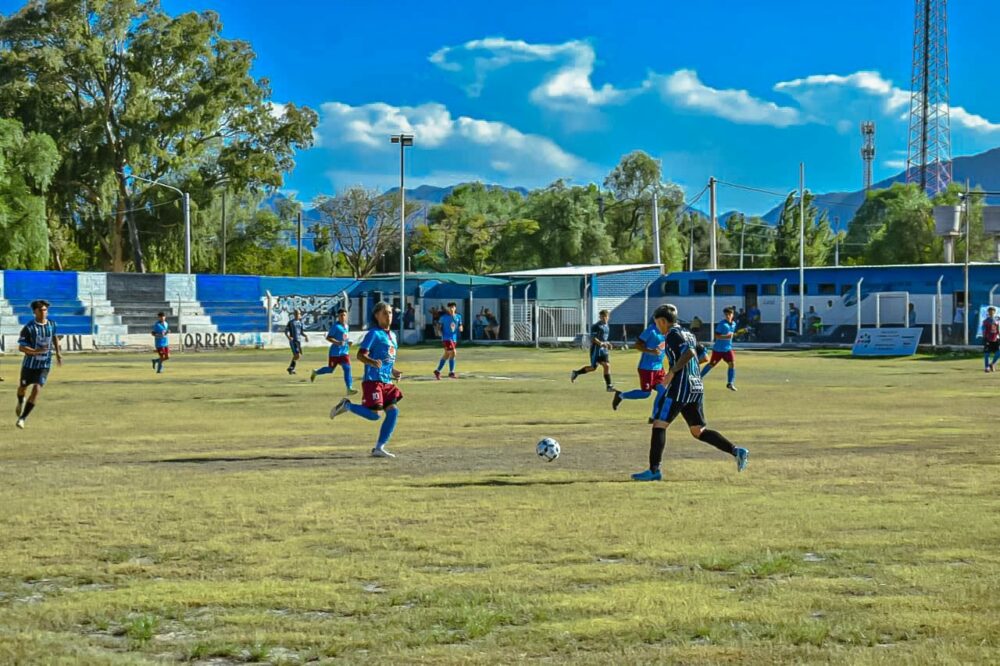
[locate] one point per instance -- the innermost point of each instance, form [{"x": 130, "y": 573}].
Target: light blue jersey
[
  {"x": 653, "y": 339},
  {"x": 160, "y": 332},
  {"x": 724, "y": 344},
  {"x": 449, "y": 327},
  {"x": 338, "y": 332},
  {"x": 381, "y": 346}
]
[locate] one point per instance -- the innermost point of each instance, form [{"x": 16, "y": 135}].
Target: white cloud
[
  {"x": 566, "y": 88},
  {"x": 971, "y": 121},
  {"x": 470, "y": 146},
  {"x": 683, "y": 88}
]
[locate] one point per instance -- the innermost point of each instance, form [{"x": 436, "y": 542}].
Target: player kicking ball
[
  {"x": 600, "y": 334},
  {"x": 451, "y": 327},
  {"x": 340, "y": 348},
  {"x": 681, "y": 394},
  {"x": 722, "y": 349},
  {"x": 379, "y": 393}
]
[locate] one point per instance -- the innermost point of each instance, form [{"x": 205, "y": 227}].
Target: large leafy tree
[
  {"x": 124, "y": 88},
  {"x": 570, "y": 229},
  {"x": 819, "y": 238},
  {"x": 754, "y": 236},
  {"x": 27, "y": 164},
  {"x": 893, "y": 226}
]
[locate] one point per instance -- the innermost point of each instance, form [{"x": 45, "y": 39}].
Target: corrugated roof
[
  {"x": 578, "y": 271},
  {"x": 450, "y": 278}
]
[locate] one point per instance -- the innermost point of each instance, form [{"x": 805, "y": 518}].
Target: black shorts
[
  {"x": 31, "y": 376},
  {"x": 598, "y": 354},
  {"x": 667, "y": 409},
  {"x": 991, "y": 347}
]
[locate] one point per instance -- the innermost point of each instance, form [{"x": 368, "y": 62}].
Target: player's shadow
[
  {"x": 246, "y": 459},
  {"x": 502, "y": 483}
]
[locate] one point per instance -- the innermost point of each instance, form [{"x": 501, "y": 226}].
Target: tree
[
  {"x": 754, "y": 236},
  {"x": 570, "y": 229},
  {"x": 364, "y": 226},
  {"x": 27, "y": 164},
  {"x": 124, "y": 88},
  {"x": 819, "y": 237},
  {"x": 895, "y": 226}
]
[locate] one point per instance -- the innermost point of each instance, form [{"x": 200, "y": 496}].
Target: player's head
[
  {"x": 665, "y": 317},
  {"x": 383, "y": 314},
  {"x": 297, "y": 314},
  {"x": 162, "y": 316},
  {"x": 729, "y": 313},
  {"x": 991, "y": 311},
  {"x": 452, "y": 307},
  {"x": 604, "y": 315},
  {"x": 342, "y": 316},
  {"x": 40, "y": 308}
]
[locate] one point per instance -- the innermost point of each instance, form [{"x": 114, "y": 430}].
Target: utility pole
[
  {"x": 713, "y": 251},
  {"x": 403, "y": 140},
  {"x": 223, "y": 232},
  {"x": 298, "y": 239},
  {"x": 656, "y": 226},
  {"x": 802, "y": 244},
  {"x": 743, "y": 233},
  {"x": 836, "y": 248}
]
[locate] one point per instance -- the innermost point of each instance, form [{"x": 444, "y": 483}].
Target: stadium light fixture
[
  {"x": 187, "y": 215},
  {"x": 403, "y": 140}
]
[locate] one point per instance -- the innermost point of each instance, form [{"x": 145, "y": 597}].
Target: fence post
[
  {"x": 940, "y": 312},
  {"x": 269, "y": 309},
  {"x": 536, "y": 325},
  {"x": 510, "y": 312},
  {"x": 878, "y": 310},
  {"x": 859, "y": 302},
  {"x": 781, "y": 314},
  {"x": 711, "y": 313}
]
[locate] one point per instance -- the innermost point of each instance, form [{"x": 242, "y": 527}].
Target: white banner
[{"x": 887, "y": 342}]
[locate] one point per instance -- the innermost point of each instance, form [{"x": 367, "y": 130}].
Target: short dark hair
[
  {"x": 453, "y": 304},
  {"x": 603, "y": 312},
  {"x": 161, "y": 314},
  {"x": 40, "y": 303},
  {"x": 341, "y": 311},
  {"x": 666, "y": 311},
  {"x": 381, "y": 306},
  {"x": 729, "y": 309}
]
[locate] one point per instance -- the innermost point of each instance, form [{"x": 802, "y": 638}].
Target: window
[
  {"x": 769, "y": 289},
  {"x": 827, "y": 289},
  {"x": 845, "y": 289},
  {"x": 671, "y": 288},
  {"x": 725, "y": 290},
  {"x": 699, "y": 287},
  {"x": 794, "y": 289}
]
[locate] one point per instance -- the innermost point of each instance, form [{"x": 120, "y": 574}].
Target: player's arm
[
  {"x": 684, "y": 359},
  {"x": 55, "y": 342},
  {"x": 26, "y": 343},
  {"x": 723, "y": 336},
  {"x": 641, "y": 345},
  {"x": 368, "y": 360}
]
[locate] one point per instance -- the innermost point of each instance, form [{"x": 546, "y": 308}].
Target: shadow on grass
[
  {"x": 247, "y": 459},
  {"x": 501, "y": 483}
]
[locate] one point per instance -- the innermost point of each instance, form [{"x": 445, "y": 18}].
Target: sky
[{"x": 523, "y": 93}]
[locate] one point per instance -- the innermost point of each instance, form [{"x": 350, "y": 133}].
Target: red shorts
[
  {"x": 339, "y": 360},
  {"x": 164, "y": 353},
  {"x": 650, "y": 378},
  {"x": 728, "y": 357},
  {"x": 376, "y": 395},
  {"x": 449, "y": 345}
]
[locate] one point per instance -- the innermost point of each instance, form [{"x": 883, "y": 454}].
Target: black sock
[
  {"x": 292, "y": 366},
  {"x": 717, "y": 440},
  {"x": 657, "y": 443},
  {"x": 27, "y": 410},
  {"x": 20, "y": 400},
  {"x": 584, "y": 370},
  {"x": 607, "y": 379}
]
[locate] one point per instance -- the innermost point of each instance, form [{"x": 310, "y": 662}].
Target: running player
[
  {"x": 37, "y": 340},
  {"x": 683, "y": 394},
  {"x": 451, "y": 327},
  {"x": 160, "y": 340},
  {"x": 378, "y": 353},
  {"x": 650, "y": 345},
  {"x": 722, "y": 349},
  {"x": 295, "y": 333},
  {"x": 340, "y": 347},
  {"x": 991, "y": 339},
  {"x": 600, "y": 333}
]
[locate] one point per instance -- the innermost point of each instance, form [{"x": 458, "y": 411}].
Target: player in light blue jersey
[
  {"x": 451, "y": 327},
  {"x": 722, "y": 348},
  {"x": 340, "y": 347},
  {"x": 296, "y": 333},
  {"x": 380, "y": 393},
  {"x": 37, "y": 340},
  {"x": 651, "y": 345},
  {"x": 161, "y": 329}
]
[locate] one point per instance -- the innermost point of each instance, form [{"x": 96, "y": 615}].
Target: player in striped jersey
[
  {"x": 681, "y": 393},
  {"x": 296, "y": 333},
  {"x": 37, "y": 340},
  {"x": 600, "y": 335}
]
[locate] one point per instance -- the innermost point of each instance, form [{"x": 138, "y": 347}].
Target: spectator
[
  {"x": 479, "y": 327},
  {"x": 695, "y": 325},
  {"x": 409, "y": 316},
  {"x": 492, "y": 325},
  {"x": 911, "y": 316},
  {"x": 813, "y": 321},
  {"x": 792, "y": 320},
  {"x": 436, "y": 320},
  {"x": 959, "y": 323}
]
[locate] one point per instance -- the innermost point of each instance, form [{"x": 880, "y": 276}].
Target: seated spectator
[
  {"x": 813, "y": 321},
  {"x": 492, "y": 325},
  {"x": 479, "y": 327}
]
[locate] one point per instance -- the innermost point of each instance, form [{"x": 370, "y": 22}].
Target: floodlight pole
[
  {"x": 403, "y": 140},
  {"x": 187, "y": 215},
  {"x": 802, "y": 244},
  {"x": 968, "y": 224}
]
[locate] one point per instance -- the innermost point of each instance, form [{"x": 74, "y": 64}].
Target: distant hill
[
  {"x": 981, "y": 170},
  {"x": 435, "y": 195}
]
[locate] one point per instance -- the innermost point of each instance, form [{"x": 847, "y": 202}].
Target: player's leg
[
  {"x": 345, "y": 367},
  {"x": 391, "y": 396},
  {"x": 712, "y": 362},
  {"x": 371, "y": 403},
  {"x": 29, "y": 405},
  {"x": 444, "y": 359},
  {"x": 606, "y": 366},
  {"x": 986, "y": 357},
  {"x": 331, "y": 364},
  {"x": 163, "y": 354},
  {"x": 295, "y": 356},
  {"x": 695, "y": 418},
  {"x": 996, "y": 357},
  {"x": 664, "y": 412},
  {"x": 731, "y": 373},
  {"x": 453, "y": 352}
]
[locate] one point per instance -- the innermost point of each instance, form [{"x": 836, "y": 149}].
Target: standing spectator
[
  {"x": 492, "y": 325},
  {"x": 792, "y": 320},
  {"x": 436, "y": 320},
  {"x": 408, "y": 316},
  {"x": 911, "y": 316},
  {"x": 959, "y": 323},
  {"x": 991, "y": 339}
]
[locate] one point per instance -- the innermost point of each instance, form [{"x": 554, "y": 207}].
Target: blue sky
[{"x": 522, "y": 93}]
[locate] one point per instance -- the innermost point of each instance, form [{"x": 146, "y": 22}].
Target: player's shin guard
[
  {"x": 731, "y": 376},
  {"x": 635, "y": 394},
  {"x": 27, "y": 409},
  {"x": 348, "y": 377},
  {"x": 707, "y": 369},
  {"x": 718, "y": 440},
  {"x": 440, "y": 364},
  {"x": 362, "y": 411},
  {"x": 607, "y": 379},
  {"x": 388, "y": 425},
  {"x": 657, "y": 443}
]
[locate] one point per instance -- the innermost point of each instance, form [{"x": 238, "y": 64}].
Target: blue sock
[
  {"x": 731, "y": 376},
  {"x": 440, "y": 364},
  {"x": 159, "y": 364},
  {"x": 362, "y": 411},
  {"x": 451, "y": 365},
  {"x": 986, "y": 360},
  {"x": 707, "y": 369},
  {"x": 324, "y": 371},
  {"x": 388, "y": 425},
  {"x": 635, "y": 394},
  {"x": 348, "y": 378}
]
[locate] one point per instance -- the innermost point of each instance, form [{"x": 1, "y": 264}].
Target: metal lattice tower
[
  {"x": 868, "y": 150},
  {"x": 928, "y": 158}
]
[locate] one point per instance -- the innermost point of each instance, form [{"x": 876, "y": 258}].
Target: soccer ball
[{"x": 548, "y": 448}]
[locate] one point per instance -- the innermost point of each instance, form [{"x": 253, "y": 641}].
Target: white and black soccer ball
[{"x": 548, "y": 449}]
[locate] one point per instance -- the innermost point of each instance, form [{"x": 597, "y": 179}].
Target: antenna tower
[
  {"x": 868, "y": 150},
  {"x": 928, "y": 158}
]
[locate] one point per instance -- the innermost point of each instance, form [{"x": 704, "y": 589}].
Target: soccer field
[{"x": 215, "y": 514}]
